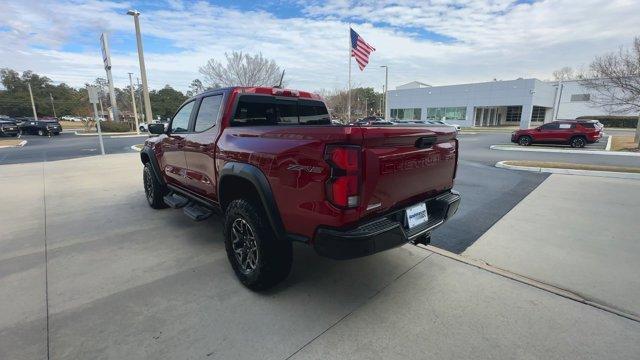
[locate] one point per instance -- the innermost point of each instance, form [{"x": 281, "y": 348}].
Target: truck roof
[{"x": 263, "y": 90}]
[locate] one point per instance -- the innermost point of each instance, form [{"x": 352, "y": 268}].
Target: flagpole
[{"x": 349, "y": 91}]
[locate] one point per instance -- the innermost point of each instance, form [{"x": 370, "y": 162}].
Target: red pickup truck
[{"x": 271, "y": 161}]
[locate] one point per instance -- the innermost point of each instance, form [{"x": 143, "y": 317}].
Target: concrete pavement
[
  {"x": 579, "y": 233},
  {"x": 443, "y": 309},
  {"x": 121, "y": 280}
]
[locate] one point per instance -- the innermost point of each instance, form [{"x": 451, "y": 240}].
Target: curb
[
  {"x": 21, "y": 144},
  {"x": 568, "y": 294},
  {"x": 587, "y": 152},
  {"x": 104, "y": 133},
  {"x": 127, "y": 136},
  {"x": 137, "y": 147},
  {"x": 609, "y": 174}
]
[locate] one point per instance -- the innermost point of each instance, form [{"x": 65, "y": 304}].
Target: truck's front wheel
[
  {"x": 259, "y": 259},
  {"x": 152, "y": 188}
]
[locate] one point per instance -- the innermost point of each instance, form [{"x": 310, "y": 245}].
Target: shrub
[
  {"x": 615, "y": 121},
  {"x": 115, "y": 126}
]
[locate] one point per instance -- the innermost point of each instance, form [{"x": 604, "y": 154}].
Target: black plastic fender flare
[
  {"x": 148, "y": 152},
  {"x": 259, "y": 181}
]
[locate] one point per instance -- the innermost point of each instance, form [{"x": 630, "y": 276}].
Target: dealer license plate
[{"x": 417, "y": 215}]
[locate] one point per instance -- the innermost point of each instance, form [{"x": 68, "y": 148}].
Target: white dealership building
[{"x": 523, "y": 102}]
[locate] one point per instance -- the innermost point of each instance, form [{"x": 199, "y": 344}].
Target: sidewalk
[
  {"x": 578, "y": 233},
  {"x": 128, "y": 282}
]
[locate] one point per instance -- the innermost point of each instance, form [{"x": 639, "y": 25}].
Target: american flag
[{"x": 360, "y": 49}]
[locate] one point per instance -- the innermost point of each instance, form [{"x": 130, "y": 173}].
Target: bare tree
[
  {"x": 196, "y": 87},
  {"x": 564, "y": 74},
  {"x": 242, "y": 70},
  {"x": 364, "y": 101},
  {"x": 615, "y": 80}
]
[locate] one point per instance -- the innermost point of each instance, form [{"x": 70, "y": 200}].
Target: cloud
[{"x": 482, "y": 39}]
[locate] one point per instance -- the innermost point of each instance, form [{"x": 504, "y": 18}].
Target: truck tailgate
[{"x": 403, "y": 165}]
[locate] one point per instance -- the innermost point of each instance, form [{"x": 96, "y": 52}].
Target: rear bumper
[
  {"x": 385, "y": 232},
  {"x": 594, "y": 138}
]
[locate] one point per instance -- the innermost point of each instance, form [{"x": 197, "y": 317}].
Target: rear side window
[
  {"x": 255, "y": 110},
  {"x": 208, "y": 112},
  {"x": 588, "y": 125},
  {"x": 550, "y": 126}
]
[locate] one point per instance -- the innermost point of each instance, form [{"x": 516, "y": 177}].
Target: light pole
[
  {"x": 133, "y": 102},
  {"x": 143, "y": 70},
  {"x": 139, "y": 91},
  {"x": 53, "y": 106},
  {"x": 386, "y": 87},
  {"x": 33, "y": 104}
]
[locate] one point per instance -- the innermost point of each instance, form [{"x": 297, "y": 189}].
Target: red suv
[{"x": 576, "y": 133}]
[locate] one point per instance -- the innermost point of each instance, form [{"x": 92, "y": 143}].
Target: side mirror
[{"x": 156, "y": 128}]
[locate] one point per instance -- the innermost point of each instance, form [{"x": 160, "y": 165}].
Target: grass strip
[{"x": 623, "y": 143}]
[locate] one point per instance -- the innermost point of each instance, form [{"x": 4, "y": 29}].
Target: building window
[
  {"x": 580, "y": 97},
  {"x": 537, "y": 115},
  {"x": 406, "y": 114},
  {"x": 514, "y": 113},
  {"x": 447, "y": 113}
]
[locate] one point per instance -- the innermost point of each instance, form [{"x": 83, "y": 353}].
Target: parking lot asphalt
[
  {"x": 578, "y": 233},
  {"x": 90, "y": 271},
  {"x": 475, "y": 147},
  {"x": 65, "y": 146}
]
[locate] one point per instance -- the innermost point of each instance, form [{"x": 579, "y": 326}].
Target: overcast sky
[{"x": 438, "y": 42}]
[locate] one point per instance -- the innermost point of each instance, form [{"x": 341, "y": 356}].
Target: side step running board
[
  {"x": 196, "y": 212},
  {"x": 175, "y": 201}
]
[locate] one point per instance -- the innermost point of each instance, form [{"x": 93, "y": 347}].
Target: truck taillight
[{"x": 343, "y": 188}]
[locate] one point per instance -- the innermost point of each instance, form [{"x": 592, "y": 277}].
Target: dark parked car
[
  {"x": 41, "y": 127},
  {"x": 576, "y": 133},
  {"x": 8, "y": 127}
]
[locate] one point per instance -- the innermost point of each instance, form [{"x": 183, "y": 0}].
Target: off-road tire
[
  {"x": 153, "y": 190},
  {"x": 577, "y": 142},
  {"x": 274, "y": 256},
  {"x": 524, "y": 140}
]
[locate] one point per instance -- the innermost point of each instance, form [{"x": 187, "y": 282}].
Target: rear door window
[
  {"x": 208, "y": 112},
  {"x": 256, "y": 110},
  {"x": 550, "y": 126}
]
